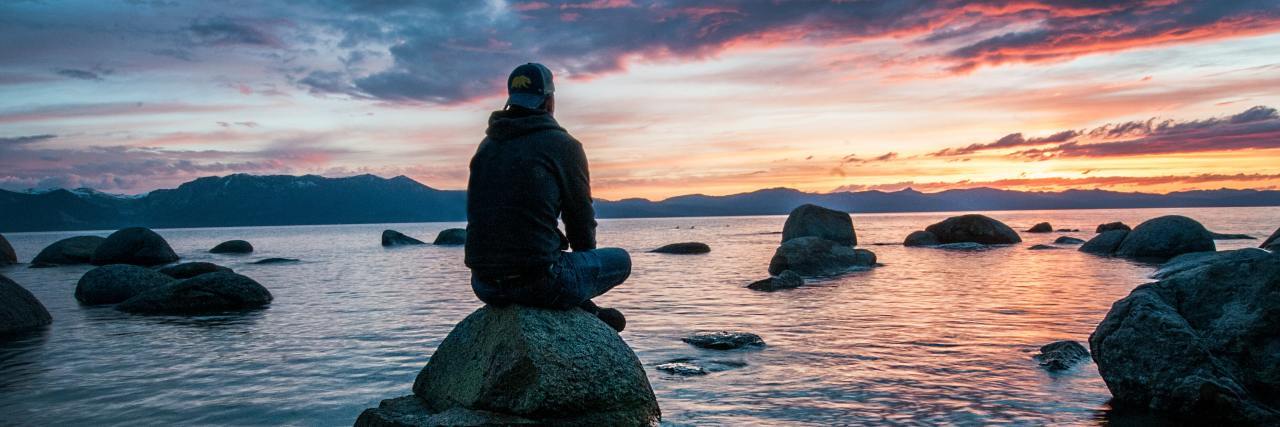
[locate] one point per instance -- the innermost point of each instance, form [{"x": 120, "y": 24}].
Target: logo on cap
[{"x": 521, "y": 82}]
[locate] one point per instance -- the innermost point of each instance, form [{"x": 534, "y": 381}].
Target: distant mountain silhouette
[{"x": 249, "y": 200}]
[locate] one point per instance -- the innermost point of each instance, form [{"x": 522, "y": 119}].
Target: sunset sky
[{"x": 668, "y": 97}]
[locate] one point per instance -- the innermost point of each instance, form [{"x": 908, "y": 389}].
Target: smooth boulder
[
  {"x": 1043, "y": 227},
  {"x": 19, "y": 309},
  {"x": 785, "y": 280},
  {"x": 921, "y": 238},
  {"x": 1198, "y": 344},
  {"x": 111, "y": 284},
  {"x": 1068, "y": 240},
  {"x": 212, "y": 292},
  {"x": 1112, "y": 226},
  {"x": 1061, "y": 355},
  {"x": 69, "y": 251},
  {"x": 396, "y": 238},
  {"x": 1104, "y": 243},
  {"x": 1166, "y": 237},
  {"x": 724, "y": 340},
  {"x": 685, "y": 248},
  {"x": 1274, "y": 240},
  {"x": 134, "y": 245},
  {"x": 7, "y": 255},
  {"x": 188, "y": 270},
  {"x": 232, "y": 247},
  {"x": 973, "y": 228},
  {"x": 816, "y": 221},
  {"x": 451, "y": 237},
  {"x": 815, "y": 256},
  {"x": 527, "y": 365}
]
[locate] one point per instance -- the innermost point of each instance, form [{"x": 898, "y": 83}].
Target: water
[{"x": 932, "y": 337}]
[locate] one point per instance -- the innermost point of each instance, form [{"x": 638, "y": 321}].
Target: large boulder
[
  {"x": 1200, "y": 344},
  {"x": 7, "y": 255},
  {"x": 814, "y": 256},
  {"x": 1043, "y": 227},
  {"x": 232, "y": 247},
  {"x": 921, "y": 238},
  {"x": 19, "y": 310},
  {"x": 134, "y": 245},
  {"x": 68, "y": 251},
  {"x": 211, "y": 292},
  {"x": 685, "y": 248},
  {"x": 527, "y": 365},
  {"x": 817, "y": 221},
  {"x": 1166, "y": 237},
  {"x": 1274, "y": 240},
  {"x": 396, "y": 238},
  {"x": 973, "y": 228},
  {"x": 1111, "y": 226},
  {"x": 114, "y": 283},
  {"x": 188, "y": 270},
  {"x": 1104, "y": 243},
  {"x": 451, "y": 237}
]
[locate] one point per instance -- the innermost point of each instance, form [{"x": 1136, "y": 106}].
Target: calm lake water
[{"x": 932, "y": 337}]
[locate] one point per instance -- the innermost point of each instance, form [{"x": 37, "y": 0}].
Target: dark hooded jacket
[{"x": 526, "y": 173}]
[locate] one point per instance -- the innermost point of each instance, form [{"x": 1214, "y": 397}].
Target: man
[{"x": 527, "y": 173}]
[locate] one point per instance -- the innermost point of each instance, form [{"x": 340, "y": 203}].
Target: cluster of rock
[
  {"x": 816, "y": 241},
  {"x": 1158, "y": 238},
  {"x": 1198, "y": 343},
  {"x": 521, "y": 365},
  {"x": 447, "y": 237},
  {"x": 967, "y": 229}
]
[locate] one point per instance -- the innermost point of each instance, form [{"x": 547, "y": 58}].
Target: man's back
[{"x": 526, "y": 173}]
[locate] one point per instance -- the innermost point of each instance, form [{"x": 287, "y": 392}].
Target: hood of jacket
[{"x": 508, "y": 124}]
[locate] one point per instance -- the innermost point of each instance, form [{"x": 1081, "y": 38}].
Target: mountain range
[{"x": 250, "y": 200}]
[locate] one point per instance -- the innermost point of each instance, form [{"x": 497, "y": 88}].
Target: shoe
[{"x": 613, "y": 318}]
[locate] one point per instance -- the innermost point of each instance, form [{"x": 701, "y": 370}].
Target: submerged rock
[
  {"x": 19, "y": 309},
  {"x": 514, "y": 364},
  {"x": 1068, "y": 230},
  {"x": 451, "y": 237},
  {"x": 212, "y": 292},
  {"x": 1105, "y": 243},
  {"x": 1042, "y": 247},
  {"x": 111, "y": 284},
  {"x": 1068, "y": 240},
  {"x": 1111, "y": 226},
  {"x": 232, "y": 247},
  {"x": 964, "y": 246},
  {"x": 1199, "y": 343},
  {"x": 683, "y": 369},
  {"x": 815, "y": 221},
  {"x": 921, "y": 238},
  {"x": 188, "y": 270},
  {"x": 277, "y": 261},
  {"x": 686, "y": 248},
  {"x": 724, "y": 340},
  {"x": 1061, "y": 355},
  {"x": 973, "y": 228},
  {"x": 1166, "y": 237},
  {"x": 785, "y": 280},
  {"x": 396, "y": 238},
  {"x": 817, "y": 256},
  {"x": 1043, "y": 227},
  {"x": 134, "y": 245},
  {"x": 68, "y": 251},
  {"x": 7, "y": 255}
]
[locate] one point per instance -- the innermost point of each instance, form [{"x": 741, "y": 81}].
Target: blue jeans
[{"x": 572, "y": 281}]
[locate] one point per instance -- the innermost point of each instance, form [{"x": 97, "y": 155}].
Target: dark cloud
[
  {"x": 28, "y": 139},
  {"x": 1257, "y": 128},
  {"x": 79, "y": 74},
  {"x": 226, "y": 32},
  {"x": 1097, "y": 182},
  {"x": 1008, "y": 141}
]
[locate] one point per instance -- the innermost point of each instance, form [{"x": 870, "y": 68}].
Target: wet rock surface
[{"x": 724, "y": 340}]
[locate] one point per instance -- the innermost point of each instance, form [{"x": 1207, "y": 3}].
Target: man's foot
[{"x": 613, "y": 318}]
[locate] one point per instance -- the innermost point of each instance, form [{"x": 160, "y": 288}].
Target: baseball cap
[{"x": 529, "y": 85}]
